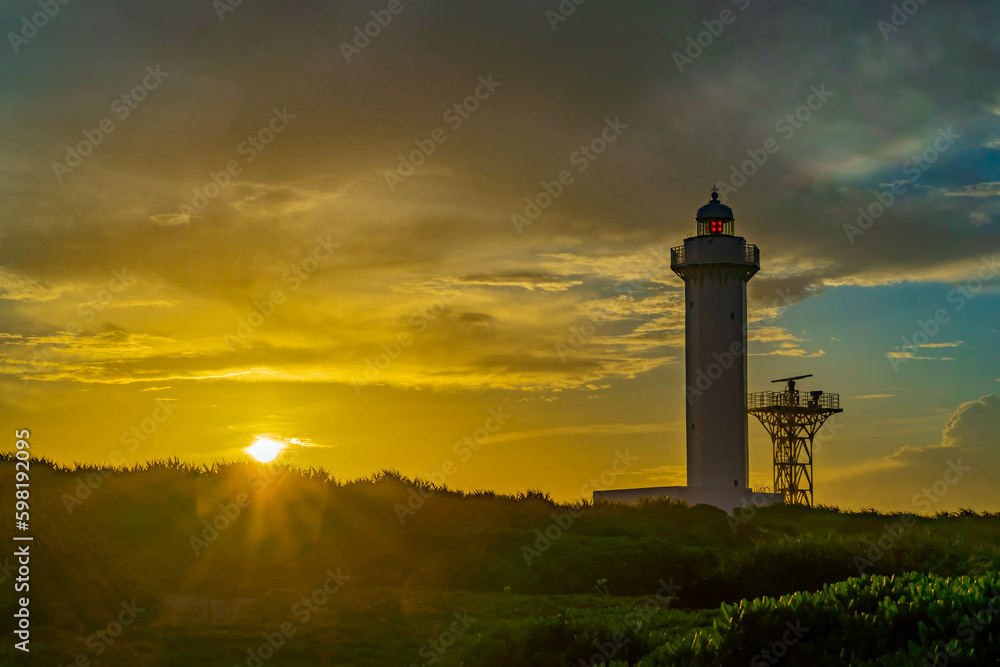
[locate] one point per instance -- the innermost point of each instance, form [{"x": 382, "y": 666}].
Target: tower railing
[
  {"x": 745, "y": 253},
  {"x": 792, "y": 399}
]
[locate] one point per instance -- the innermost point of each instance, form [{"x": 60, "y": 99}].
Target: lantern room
[{"x": 715, "y": 217}]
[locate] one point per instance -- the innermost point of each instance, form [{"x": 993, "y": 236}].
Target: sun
[{"x": 265, "y": 449}]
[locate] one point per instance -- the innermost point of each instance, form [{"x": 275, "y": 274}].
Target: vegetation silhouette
[{"x": 255, "y": 539}]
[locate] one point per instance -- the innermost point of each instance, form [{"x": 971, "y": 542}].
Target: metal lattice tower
[{"x": 792, "y": 419}]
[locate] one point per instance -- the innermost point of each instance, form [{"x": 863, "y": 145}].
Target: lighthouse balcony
[
  {"x": 722, "y": 250},
  {"x": 714, "y": 251}
]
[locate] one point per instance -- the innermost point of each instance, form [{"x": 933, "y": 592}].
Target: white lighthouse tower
[{"x": 716, "y": 265}]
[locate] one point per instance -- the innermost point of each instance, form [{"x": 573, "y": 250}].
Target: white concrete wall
[
  {"x": 715, "y": 357},
  {"x": 727, "y": 499}
]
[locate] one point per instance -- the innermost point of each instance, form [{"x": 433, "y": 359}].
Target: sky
[{"x": 434, "y": 237}]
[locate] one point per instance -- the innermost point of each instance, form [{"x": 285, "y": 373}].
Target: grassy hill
[{"x": 253, "y": 565}]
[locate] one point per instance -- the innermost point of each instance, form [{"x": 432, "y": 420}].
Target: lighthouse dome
[{"x": 715, "y": 209}]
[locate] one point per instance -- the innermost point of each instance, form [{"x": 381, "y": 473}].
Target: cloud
[
  {"x": 874, "y": 396},
  {"x": 786, "y": 349},
  {"x": 959, "y": 471},
  {"x": 786, "y": 290},
  {"x": 15, "y": 286},
  {"x": 170, "y": 219},
  {"x": 789, "y": 352},
  {"x": 972, "y": 430},
  {"x": 476, "y": 318},
  {"x": 913, "y": 357},
  {"x": 979, "y": 219},
  {"x": 975, "y": 425},
  {"x": 585, "y": 429},
  {"x": 990, "y": 189},
  {"x": 528, "y": 280}
]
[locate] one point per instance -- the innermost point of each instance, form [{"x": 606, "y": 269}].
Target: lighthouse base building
[
  {"x": 729, "y": 500},
  {"x": 716, "y": 266}
]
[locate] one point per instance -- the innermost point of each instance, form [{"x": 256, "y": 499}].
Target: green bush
[{"x": 913, "y": 619}]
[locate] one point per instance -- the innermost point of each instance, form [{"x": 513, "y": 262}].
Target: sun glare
[{"x": 265, "y": 450}]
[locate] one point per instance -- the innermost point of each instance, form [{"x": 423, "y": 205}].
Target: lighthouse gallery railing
[{"x": 747, "y": 253}]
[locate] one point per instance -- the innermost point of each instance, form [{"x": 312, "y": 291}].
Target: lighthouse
[{"x": 716, "y": 265}]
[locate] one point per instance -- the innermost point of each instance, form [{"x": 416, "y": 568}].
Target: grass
[{"x": 596, "y": 572}]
